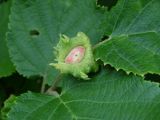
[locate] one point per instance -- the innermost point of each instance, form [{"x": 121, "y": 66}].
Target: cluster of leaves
[{"x": 126, "y": 45}]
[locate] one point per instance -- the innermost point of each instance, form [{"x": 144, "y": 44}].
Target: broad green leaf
[
  {"x": 133, "y": 27},
  {"x": 6, "y": 67},
  {"x": 35, "y": 26},
  {"x": 111, "y": 95}
]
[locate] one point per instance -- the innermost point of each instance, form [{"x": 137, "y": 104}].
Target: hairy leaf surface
[
  {"x": 109, "y": 96},
  {"x": 133, "y": 27}
]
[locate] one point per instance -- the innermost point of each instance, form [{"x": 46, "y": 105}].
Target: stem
[
  {"x": 98, "y": 44},
  {"x": 56, "y": 80},
  {"x": 43, "y": 85},
  {"x": 53, "y": 87}
]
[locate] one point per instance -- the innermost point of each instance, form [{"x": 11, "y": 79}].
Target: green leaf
[
  {"x": 35, "y": 26},
  {"x": 134, "y": 37},
  {"x": 111, "y": 95},
  {"x": 6, "y": 66},
  {"x": 7, "y": 106}
]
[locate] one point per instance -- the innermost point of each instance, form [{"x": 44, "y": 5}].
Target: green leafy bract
[
  {"x": 81, "y": 68},
  {"x": 134, "y": 40}
]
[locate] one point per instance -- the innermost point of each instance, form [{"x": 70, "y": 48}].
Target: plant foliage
[
  {"x": 6, "y": 66},
  {"x": 126, "y": 44}
]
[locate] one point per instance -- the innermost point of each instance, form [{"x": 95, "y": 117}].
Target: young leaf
[
  {"x": 134, "y": 39},
  {"x": 35, "y": 26},
  {"x": 6, "y": 66},
  {"x": 111, "y": 95}
]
